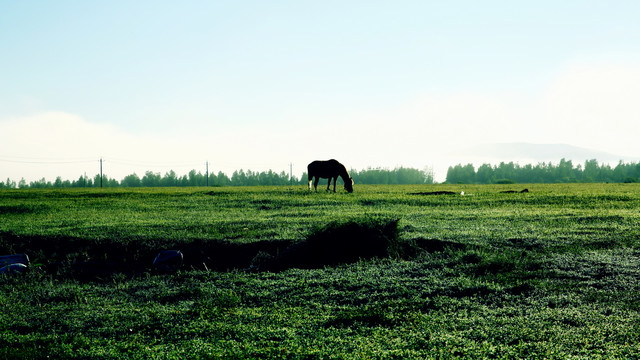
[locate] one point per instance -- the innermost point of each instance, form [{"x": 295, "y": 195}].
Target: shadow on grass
[{"x": 336, "y": 243}]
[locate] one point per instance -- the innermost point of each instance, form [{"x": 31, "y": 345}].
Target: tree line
[
  {"x": 563, "y": 172},
  {"x": 240, "y": 177}
]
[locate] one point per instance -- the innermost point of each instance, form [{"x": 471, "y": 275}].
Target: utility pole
[
  {"x": 101, "y": 173},
  {"x": 207, "y": 173},
  {"x": 291, "y": 173}
]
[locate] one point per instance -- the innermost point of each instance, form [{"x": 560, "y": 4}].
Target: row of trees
[
  {"x": 563, "y": 172},
  {"x": 238, "y": 178}
]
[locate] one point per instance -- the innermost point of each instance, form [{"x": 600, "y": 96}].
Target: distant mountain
[{"x": 527, "y": 152}]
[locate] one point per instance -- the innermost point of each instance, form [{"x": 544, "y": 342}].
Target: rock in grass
[
  {"x": 14, "y": 259},
  {"x": 16, "y": 268},
  {"x": 168, "y": 261},
  {"x": 14, "y": 264}
]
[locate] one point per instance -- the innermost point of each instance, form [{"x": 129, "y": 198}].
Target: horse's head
[{"x": 348, "y": 185}]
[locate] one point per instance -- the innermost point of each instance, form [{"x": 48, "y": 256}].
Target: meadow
[{"x": 470, "y": 271}]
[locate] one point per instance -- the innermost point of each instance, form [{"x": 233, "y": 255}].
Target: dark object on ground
[
  {"x": 95, "y": 269},
  {"x": 336, "y": 243},
  {"x": 342, "y": 243},
  {"x": 514, "y": 191},
  {"x": 14, "y": 264},
  {"x": 16, "y": 268},
  {"x": 433, "y": 245},
  {"x": 168, "y": 261},
  {"x": 434, "y": 193},
  {"x": 14, "y": 259}
]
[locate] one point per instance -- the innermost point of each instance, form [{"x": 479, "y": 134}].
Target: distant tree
[
  {"x": 505, "y": 172},
  {"x": 213, "y": 179},
  {"x": 183, "y": 180},
  {"x": 222, "y": 179},
  {"x": 591, "y": 171},
  {"x": 461, "y": 174},
  {"x": 151, "y": 179},
  {"x": 110, "y": 182},
  {"x": 304, "y": 178},
  {"x": 485, "y": 174},
  {"x": 620, "y": 172},
  {"x": 97, "y": 182},
  {"x": 81, "y": 182},
  {"x": 239, "y": 178},
  {"x": 636, "y": 172},
  {"x": 39, "y": 184},
  {"x": 400, "y": 175},
  {"x": 132, "y": 180},
  {"x": 9, "y": 184},
  {"x": 196, "y": 178},
  {"x": 564, "y": 171},
  {"x": 169, "y": 179},
  {"x": 252, "y": 178}
]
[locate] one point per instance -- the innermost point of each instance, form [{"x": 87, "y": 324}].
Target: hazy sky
[{"x": 161, "y": 85}]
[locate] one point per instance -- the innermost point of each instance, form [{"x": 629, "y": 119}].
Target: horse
[{"x": 329, "y": 169}]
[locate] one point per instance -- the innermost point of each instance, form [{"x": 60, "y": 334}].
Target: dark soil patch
[
  {"x": 334, "y": 244},
  {"x": 433, "y": 245},
  {"x": 20, "y": 209},
  {"x": 340, "y": 243},
  {"x": 434, "y": 193}
]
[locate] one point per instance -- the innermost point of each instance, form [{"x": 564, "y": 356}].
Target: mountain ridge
[{"x": 523, "y": 152}]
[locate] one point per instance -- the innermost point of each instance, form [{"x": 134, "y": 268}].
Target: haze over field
[{"x": 254, "y": 85}]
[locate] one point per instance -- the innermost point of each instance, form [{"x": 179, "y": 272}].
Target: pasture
[{"x": 550, "y": 273}]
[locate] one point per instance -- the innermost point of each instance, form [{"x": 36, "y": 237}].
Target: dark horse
[{"x": 329, "y": 169}]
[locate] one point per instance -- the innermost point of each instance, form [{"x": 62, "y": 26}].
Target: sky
[{"x": 255, "y": 85}]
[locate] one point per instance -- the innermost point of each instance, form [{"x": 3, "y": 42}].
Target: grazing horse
[{"x": 329, "y": 169}]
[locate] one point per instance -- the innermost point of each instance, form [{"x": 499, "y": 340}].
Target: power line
[
  {"x": 46, "y": 161},
  {"x": 152, "y": 163}
]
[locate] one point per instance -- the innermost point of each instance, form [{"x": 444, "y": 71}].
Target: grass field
[{"x": 550, "y": 273}]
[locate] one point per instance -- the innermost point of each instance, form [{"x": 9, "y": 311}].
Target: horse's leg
[
  {"x": 315, "y": 184},
  {"x": 310, "y": 180},
  {"x": 328, "y": 184},
  {"x": 334, "y": 183}
]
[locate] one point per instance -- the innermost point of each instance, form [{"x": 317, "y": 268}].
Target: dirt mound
[
  {"x": 342, "y": 243},
  {"x": 434, "y": 193}
]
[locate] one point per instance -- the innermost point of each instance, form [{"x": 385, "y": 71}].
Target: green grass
[{"x": 552, "y": 273}]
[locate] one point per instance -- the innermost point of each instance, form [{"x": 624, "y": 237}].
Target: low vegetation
[{"x": 280, "y": 272}]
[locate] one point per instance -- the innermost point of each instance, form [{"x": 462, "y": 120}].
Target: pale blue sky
[{"x": 253, "y": 84}]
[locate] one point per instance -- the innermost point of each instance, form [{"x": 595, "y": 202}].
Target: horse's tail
[{"x": 309, "y": 172}]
